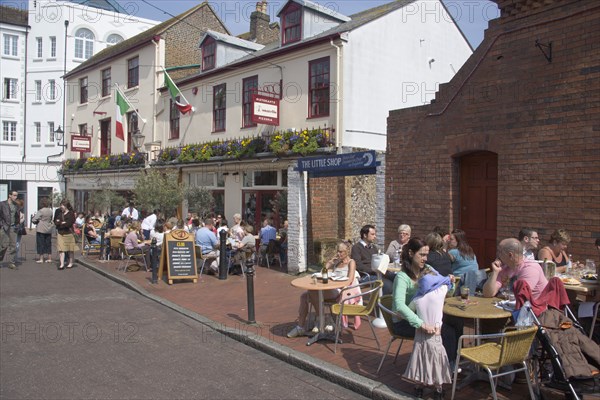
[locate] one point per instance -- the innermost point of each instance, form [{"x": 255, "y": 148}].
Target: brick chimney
[{"x": 260, "y": 32}]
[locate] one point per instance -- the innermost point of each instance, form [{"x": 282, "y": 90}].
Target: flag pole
[
  {"x": 180, "y": 92},
  {"x": 128, "y": 102}
]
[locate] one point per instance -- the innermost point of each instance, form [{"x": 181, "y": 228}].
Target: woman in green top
[{"x": 414, "y": 258}]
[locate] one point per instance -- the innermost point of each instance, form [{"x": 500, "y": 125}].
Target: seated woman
[
  {"x": 340, "y": 264},
  {"x": 240, "y": 250},
  {"x": 437, "y": 257},
  {"x": 89, "y": 231},
  {"x": 133, "y": 244},
  {"x": 118, "y": 230},
  {"x": 556, "y": 250},
  {"x": 464, "y": 256}
]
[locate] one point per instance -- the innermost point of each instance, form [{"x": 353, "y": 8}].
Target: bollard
[
  {"x": 102, "y": 244},
  {"x": 154, "y": 260},
  {"x": 223, "y": 255},
  {"x": 250, "y": 289}
]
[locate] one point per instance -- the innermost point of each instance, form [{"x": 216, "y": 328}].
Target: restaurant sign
[
  {"x": 81, "y": 143},
  {"x": 359, "y": 163},
  {"x": 265, "y": 110}
]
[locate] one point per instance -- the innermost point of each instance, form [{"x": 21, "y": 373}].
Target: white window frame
[
  {"x": 113, "y": 39},
  {"x": 39, "y": 46},
  {"x": 10, "y": 45},
  {"x": 51, "y": 132},
  {"x": 38, "y": 132},
  {"x": 52, "y": 46},
  {"x": 52, "y": 90},
  {"x": 9, "y": 131},
  {"x": 84, "y": 44},
  {"x": 10, "y": 89},
  {"x": 38, "y": 92}
]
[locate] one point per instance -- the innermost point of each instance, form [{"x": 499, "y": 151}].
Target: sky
[{"x": 472, "y": 16}]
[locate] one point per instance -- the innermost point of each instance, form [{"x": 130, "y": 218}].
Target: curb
[{"x": 343, "y": 377}]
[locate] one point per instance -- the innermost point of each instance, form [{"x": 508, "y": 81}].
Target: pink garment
[
  {"x": 529, "y": 271},
  {"x": 554, "y": 295},
  {"x": 356, "y": 300}
]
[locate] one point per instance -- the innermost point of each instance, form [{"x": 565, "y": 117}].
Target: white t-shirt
[
  {"x": 149, "y": 222},
  {"x": 133, "y": 213}
]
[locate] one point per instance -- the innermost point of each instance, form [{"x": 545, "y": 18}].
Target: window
[
  {"x": 318, "y": 87},
  {"x": 208, "y": 53},
  {"x": 106, "y": 82},
  {"x": 39, "y": 48},
  {"x": 10, "y": 89},
  {"x": 51, "y": 89},
  {"x": 292, "y": 24},
  {"x": 219, "y": 103},
  {"x": 174, "y": 120},
  {"x": 9, "y": 131},
  {"x": 265, "y": 178},
  {"x": 52, "y": 46},
  {"x": 133, "y": 72},
  {"x": 132, "y": 126},
  {"x": 83, "y": 90},
  {"x": 38, "y": 91},
  {"x": 38, "y": 132},
  {"x": 51, "y": 132},
  {"x": 82, "y": 128},
  {"x": 249, "y": 88},
  {"x": 84, "y": 43},
  {"x": 114, "y": 39},
  {"x": 11, "y": 43}
]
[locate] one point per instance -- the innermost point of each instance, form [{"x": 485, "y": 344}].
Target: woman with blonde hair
[{"x": 556, "y": 250}]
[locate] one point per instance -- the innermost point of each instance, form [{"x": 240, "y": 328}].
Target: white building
[{"x": 62, "y": 35}]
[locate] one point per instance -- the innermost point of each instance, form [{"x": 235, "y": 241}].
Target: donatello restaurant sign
[{"x": 265, "y": 110}]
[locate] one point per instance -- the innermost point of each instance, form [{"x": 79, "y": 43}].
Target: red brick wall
[
  {"x": 326, "y": 211},
  {"x": 541, "y": 118}
]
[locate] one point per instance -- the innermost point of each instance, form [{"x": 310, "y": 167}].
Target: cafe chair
[
  {"x": 88, "y": 248},
  {"x": 128, "y": 257},
  {"x": 513, "y": 348},
  {"x": 115, "y": 246},
  {"x": 202, "y": 258},
  {"x": 271, "y": 253},
  {"x": 385, "y": 305},
  {"x": 357, "y": 310}
]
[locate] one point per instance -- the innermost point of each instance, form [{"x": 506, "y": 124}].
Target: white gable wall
[
  {"x": 386, "y": 66},
  {"x": 314, "y": 23}
]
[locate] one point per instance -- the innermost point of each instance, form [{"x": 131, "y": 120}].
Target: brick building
[{"x": 512, "y": 140}]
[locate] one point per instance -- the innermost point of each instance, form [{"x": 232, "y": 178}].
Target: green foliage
[
  {"x": 57, "y": 197},
  {"x": 200, "y": 199},
  {"x": 105, "y": 200},
  {"x": 159, "y": 189},
  {"x": 280, "y": 204}
]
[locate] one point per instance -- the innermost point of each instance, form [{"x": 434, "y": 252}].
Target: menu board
[{"x": 178, "y": 257}]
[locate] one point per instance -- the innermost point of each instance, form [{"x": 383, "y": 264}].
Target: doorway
[
  {"x": 257, "y": 206},
  {"x": 105, "y": 137},
  {"x": 479, "y": 202}
]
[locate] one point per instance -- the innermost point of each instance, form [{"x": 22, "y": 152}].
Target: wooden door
[{"x": 478, "y": 203}]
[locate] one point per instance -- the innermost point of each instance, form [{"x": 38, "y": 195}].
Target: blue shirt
[
  {"x": 206, "y": 239},
  {"x": 267, "y": 234},
  {"x": 462, "y": 265}
]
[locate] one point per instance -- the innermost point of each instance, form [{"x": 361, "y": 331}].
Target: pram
[{"x": 563, "y": 357}]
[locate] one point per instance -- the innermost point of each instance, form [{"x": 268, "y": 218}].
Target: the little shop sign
[{"x": 359, "y": 163}]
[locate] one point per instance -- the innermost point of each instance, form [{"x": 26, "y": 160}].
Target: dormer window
[
  {"x": 291, "y": 19},
  {"x": 208, "y": 53}
]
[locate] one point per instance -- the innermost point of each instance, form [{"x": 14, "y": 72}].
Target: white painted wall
[{"x": 386, "y": 67}]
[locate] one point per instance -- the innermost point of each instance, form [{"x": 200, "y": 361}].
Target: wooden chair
[
  {"x": 128, "y": 257},
  {"x": 513, "y": 348},
  {"x": 353, "y": 310},
  {"x": 385, "y": 305},
  {"x": 115, "y": 246}
]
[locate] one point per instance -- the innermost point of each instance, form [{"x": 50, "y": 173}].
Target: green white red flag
[
  {"x": 121, "y": 109},
  {"x": 175, "y": 92}
]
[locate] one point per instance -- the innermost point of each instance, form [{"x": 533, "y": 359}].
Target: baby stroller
[{"x": 563, "y": 357}]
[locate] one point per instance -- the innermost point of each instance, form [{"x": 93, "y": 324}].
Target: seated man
[
  {"x": 206, "y": 239},
  {"x": 90, "y": 232},
  {"x": 510, "y": 266}
]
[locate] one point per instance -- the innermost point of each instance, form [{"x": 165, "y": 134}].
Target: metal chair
[
  {"x": 127, "y": 257},
  {"x": 115, "y": 245},
  {"x": 88, "y": 248},
  {"x": 360, "y": 310},
  {"x": 273, "y": 250},
  {"x": 200, "y": 256},
  {"x": 513, "y": 348},
  {"x": 385, "y": 305}
]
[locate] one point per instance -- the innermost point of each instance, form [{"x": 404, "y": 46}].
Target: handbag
[{"x": 21, "y": 230}]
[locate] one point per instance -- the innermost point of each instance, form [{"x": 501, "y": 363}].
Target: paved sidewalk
[{"x": 221, "y": 305}]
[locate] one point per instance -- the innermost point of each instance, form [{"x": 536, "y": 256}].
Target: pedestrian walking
[
  {"x": 9, "y": 219},
  {"x": 20, "y": 229},
  {"x": 64, "y": 218},
  {"x": 43, "y": 231}
]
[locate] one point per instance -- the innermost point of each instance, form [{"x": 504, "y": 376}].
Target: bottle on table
[{"x": 324, "y": 274}]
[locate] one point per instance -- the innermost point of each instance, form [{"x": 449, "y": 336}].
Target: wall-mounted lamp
[
  {"x": 138, "y": 140},
  {"x": 225, "y": 173},
  {"x": 235, "y": 173},
  {"x": 60, "y": 137}
]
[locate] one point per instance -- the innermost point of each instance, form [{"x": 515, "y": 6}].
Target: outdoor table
[
  {"x": 589, "y": 291},
  {"x": 307, "y": 283}
]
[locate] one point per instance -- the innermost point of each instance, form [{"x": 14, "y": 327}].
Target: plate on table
[{"x": 570, "y": 281}]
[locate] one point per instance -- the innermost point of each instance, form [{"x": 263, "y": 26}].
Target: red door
[
  {"x": 257, "y": 206},
  {"x": 478, "y": 203}
]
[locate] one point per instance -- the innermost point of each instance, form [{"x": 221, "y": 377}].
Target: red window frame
[
  {"x": 219, "y": 107},
  {"x": 106, "y": 82},
  {"x": 291, "y": 20},
  {"x": 209, "y": 48},
  {"x": 249, "y": 86},
  {"x": 319, "y": 81},
  {"x": 174, "y": 119},
  {"x": 133, "y": 72}
]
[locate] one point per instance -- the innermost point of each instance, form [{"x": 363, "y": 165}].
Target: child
[{"x": 428, "y": 364}]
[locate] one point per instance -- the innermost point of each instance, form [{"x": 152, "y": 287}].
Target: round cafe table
[{"x": 307, "y": 283}]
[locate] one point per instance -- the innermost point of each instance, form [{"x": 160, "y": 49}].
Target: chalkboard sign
[{"x": 178, "y": 257}]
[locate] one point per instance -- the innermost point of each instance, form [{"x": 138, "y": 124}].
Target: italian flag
[
  {"x": 122, "y": 108},
  {"x": 174, "y": 92}
]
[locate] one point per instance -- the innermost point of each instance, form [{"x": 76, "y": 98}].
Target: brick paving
[{"x": 276, "y": 305}]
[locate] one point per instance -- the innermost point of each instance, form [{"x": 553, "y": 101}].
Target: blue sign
[{"x": 360, "y": 163}]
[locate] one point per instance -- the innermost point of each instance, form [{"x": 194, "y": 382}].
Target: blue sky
[{"x": 471, "y": 15}]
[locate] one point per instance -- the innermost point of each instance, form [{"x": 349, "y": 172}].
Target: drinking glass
[{"x": 464, "y": 293}]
